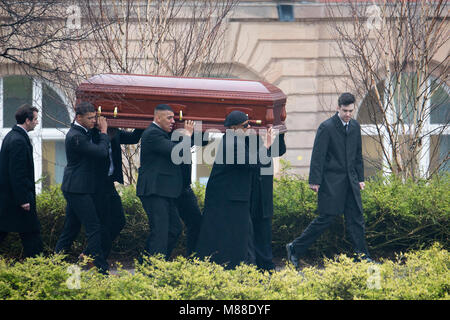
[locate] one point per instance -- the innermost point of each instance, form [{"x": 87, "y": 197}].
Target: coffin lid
[{"x": 212, "y": 89}]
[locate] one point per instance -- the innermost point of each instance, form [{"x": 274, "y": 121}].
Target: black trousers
[
  {"x": 354, "y": 222},
  {"x": 262, "y": 242},
  {"x": 117, "y": 215},
  {"x": 81, "y": 211},
  {"x": 112, "y": 217},
  {"x": 164, "y": 222},
  {"x": 31, "y": 242},
  {"x": 261, "y": 228},
  {"x": 189, "y": 212}
]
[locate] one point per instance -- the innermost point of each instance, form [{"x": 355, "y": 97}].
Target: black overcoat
[
  {"x": 224, "y": 234},
  {"x": 336, "y": 163},
  {"x": 17, "y": 185}
]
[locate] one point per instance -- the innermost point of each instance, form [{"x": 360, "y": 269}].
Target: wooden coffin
[{"x": 128, "y": 101}]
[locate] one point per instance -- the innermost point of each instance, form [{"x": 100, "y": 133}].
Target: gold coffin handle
[
  {"x": 99, "y": 111},
  {"x": 181, "y": 115},
  {"x": 115, "y": 112}
]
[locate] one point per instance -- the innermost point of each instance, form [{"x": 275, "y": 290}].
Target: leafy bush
[
  {"x": 422, "y": 274},
  {"x": 399, "y": 216},
  {"x": 407, "y": 215}
]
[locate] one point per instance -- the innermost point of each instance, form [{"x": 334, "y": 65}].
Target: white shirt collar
[
  {"x": 344, "y": 123},
  {"x": 77, "y": 124},
  {"x": 22, "y": 128},
  {"x": 157, "y": 124}
]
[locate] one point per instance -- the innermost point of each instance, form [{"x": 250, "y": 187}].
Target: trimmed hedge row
[
  {"x": 422, "y": 274},
  {"x": 399, "y": 216}
]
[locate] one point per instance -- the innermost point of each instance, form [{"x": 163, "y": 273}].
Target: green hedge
[
  {"x": 399, "y": 216},
  {"x": 422, "y": 274}
]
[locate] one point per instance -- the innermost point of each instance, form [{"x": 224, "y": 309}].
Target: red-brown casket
[{"x": 128, "y": 101}]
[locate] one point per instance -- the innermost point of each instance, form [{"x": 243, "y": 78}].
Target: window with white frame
[
  {"x": 54, "y": 121},
  {"x": 435, "y": 130}
]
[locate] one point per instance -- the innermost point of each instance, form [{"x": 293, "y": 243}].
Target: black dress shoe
[{"x": 291, "y": 255}]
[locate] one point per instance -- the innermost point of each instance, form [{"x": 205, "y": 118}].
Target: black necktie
[{"x": 346, "y": 128}]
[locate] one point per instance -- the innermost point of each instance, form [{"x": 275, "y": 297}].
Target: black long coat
[
  {"x": 336, "y": 162},
  {"x": 17, "y": 183},
  {"x": 224, "y": 234}
]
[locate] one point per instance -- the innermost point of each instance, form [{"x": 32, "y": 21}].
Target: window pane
[
  {"x": 439, "y": 153},
  {"x": 17, "y": 90},
  {"x": 405, "y": 93},
  {"x": 370, "y": 109},
  {"x": 372, "y": 155},
  {"x": 53, "y": 162},
  {"x": 440, "y": 106},
  {"x": 54, "y": 113}
]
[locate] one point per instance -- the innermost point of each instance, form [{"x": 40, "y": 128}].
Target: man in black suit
[
  {"x": 160, "y": 181},
  {"x": 110, "y": 170},
  {"x": 79, "y": 183},
  {"x": 337, "y": 175},
  {"x": 17, "y": 188},
  {"x": 187, "y": 203}
]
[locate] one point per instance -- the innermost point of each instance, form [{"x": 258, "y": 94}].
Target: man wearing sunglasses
[{"x": 226, "y": 228}]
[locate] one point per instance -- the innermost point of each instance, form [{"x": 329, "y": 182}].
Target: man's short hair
[
  {"x": 84, "y": 107},
  {"x": 25, "y": 112},
  {"x": 163, "y": 107},
  {"x": 345, "y": 99}
]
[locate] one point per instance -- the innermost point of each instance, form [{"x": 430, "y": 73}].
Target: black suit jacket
[
  {"x": 121, "y": 137},
  {"x": 82, "y": 154},
  {"x": 186, "y": 168},
  {"x": 17, "y": 184},
  {"x": 336, "y": 163},
  {"x": 158, "y": 175}
]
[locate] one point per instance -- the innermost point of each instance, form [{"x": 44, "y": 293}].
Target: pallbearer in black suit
[
  {"x": 160, "y": 181},
  {"x": 17, "y": 188},
  {"x": 187, "y": 202},
  {"x": 80, "y": 183},
  {"x": 337, "y": 174},
  {"x": 107, "y": 199}
]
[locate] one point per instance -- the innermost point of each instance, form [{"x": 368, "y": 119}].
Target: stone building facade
[{"x": 286, "y": 43}]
